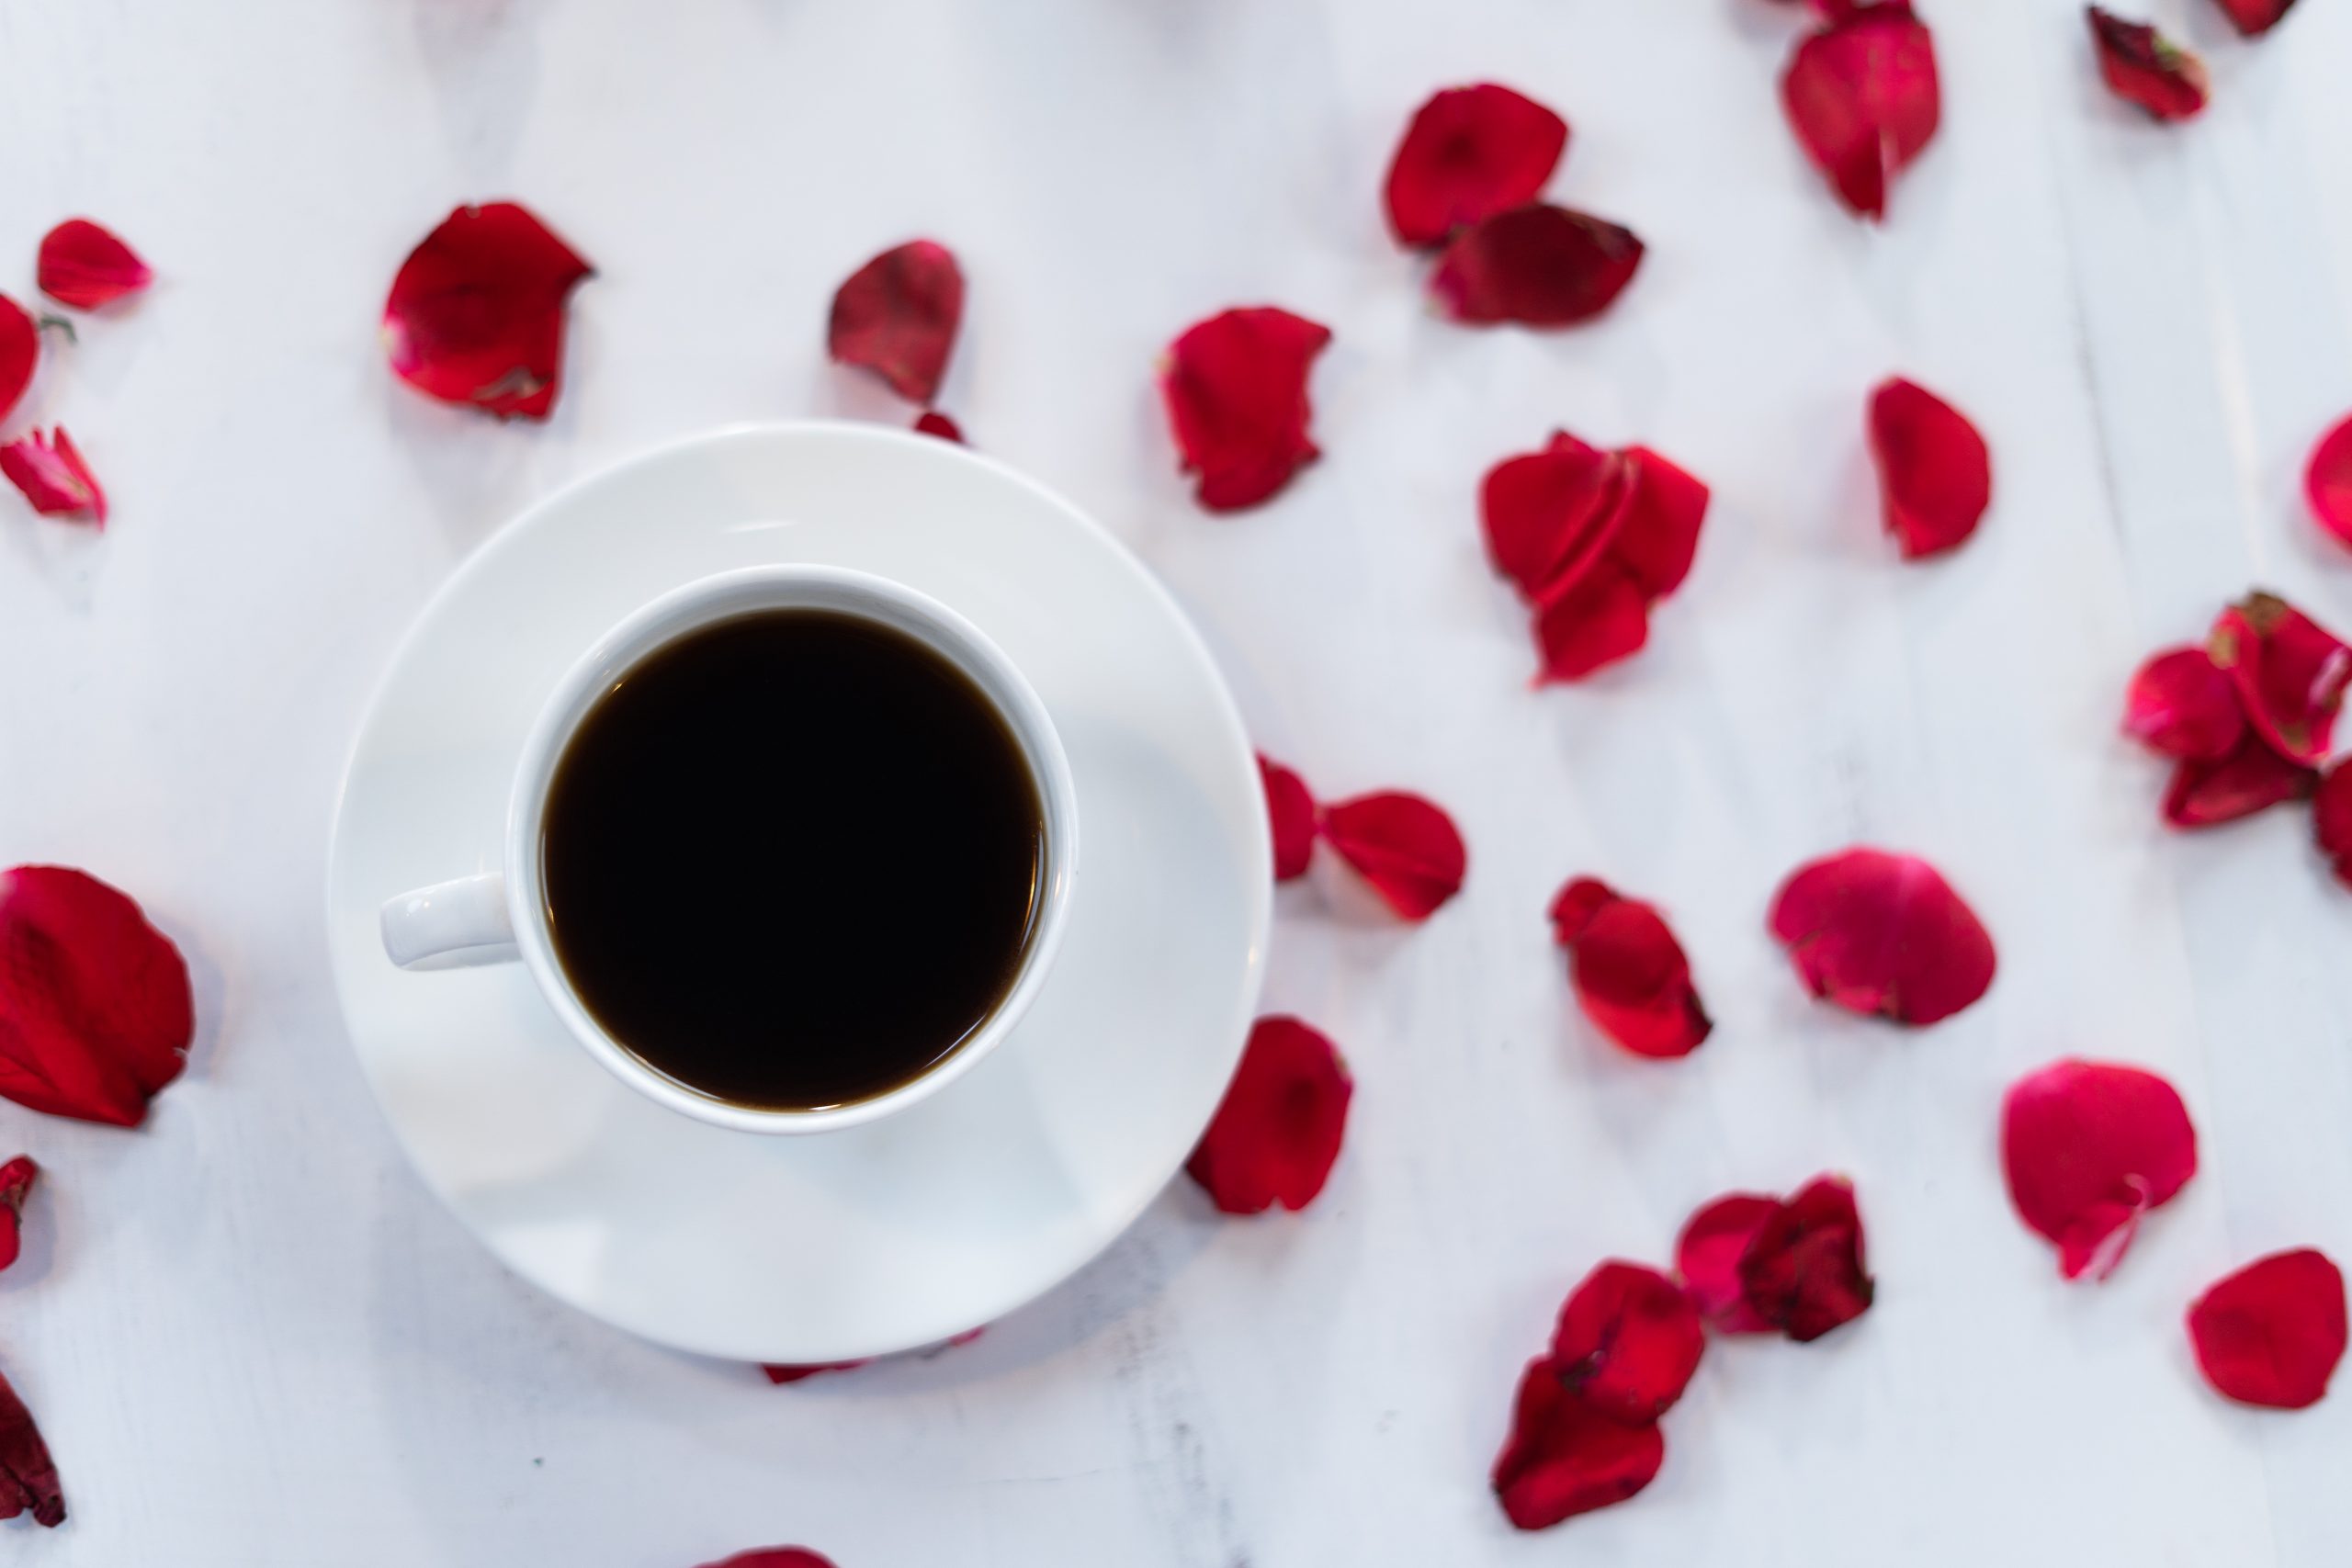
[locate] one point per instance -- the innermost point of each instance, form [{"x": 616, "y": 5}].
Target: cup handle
[{"x": 461, "y": 922}]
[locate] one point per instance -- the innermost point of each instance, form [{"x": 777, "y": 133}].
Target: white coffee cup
[{"x": 502, "y": 916}]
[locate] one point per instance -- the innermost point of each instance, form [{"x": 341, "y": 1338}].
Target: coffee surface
[{"x": 792, "y": 859}]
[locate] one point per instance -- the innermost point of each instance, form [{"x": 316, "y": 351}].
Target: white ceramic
[
  {"x": 502, "y": 915},
  {"x": 906, "y": 1230}
]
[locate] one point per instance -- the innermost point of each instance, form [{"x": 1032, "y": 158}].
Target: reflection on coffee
[{"x": 792, "y": 859}]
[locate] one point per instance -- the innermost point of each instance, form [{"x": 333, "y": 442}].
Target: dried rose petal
[
  {"x": 2180, "y": 705},
  {"x": 1631, "y": 976},
  {"x": 2206, "y": 794},
  {"x": 1277, "y": 1132},
  {"x": 2327, "y": 483},
  {"x": 1803, "y": 1271},
  {"x": 1863, "y": 97},
  {"x": 28, "y": 1476},
  {"x": 1664, "y": 510},
  {"x": 2141, "y": 67},
  {"x": 1405, "y": 846},
  {"x": 2255, "y": 18},
  {"x": 2332, "y": 821},
  {"x": 930, "y": 422},
  {"x": 2089, "y": 1147},
  {"x": 48, "y": 469},
  {"x": 84, "y": 265},
  {"x": 20, "y": 352},
  {"x": 2272, "y": 1333},
  {"x": 897, "y": 315},
  {"x": 2289, "y": 671},
  {"x": 1707, "y": 1256},
  {"x": 1550, "y": 515},
  {"x": 1628, "y": 1341},
  {"x": 1469, "y": 154},
  {"x": 476, "y": 313},
  {"x": 95, "y": 1011},
  {"x": 16, "y": 1179},
  {"x": 789, "y": 1372},
  {"x": 1565, "y": 1458},
  {"x": 1935, "y": 473},
  {"x": 1538, "y": 264},
  {"x": 1598, "y": 620},
  {"x": 774, "y": 1557},
  {"x": 1236, "y": 390},
  {"x": 1291, "y": 809},
  {"x": 1883, "y": 933}
]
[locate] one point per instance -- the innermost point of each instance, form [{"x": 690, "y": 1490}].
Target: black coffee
[{"x": 792, "y": 859}]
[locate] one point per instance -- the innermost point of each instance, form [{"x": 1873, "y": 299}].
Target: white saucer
[{"x": 878, "y": 1238}]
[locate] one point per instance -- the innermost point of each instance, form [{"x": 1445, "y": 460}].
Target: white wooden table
[{"x": 252, "y": 1337}]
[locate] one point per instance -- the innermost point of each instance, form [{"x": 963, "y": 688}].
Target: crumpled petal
[
  {"x": 2327, "y": 483},
  {"x": 1628, "y": 1341},
  {"x": 2272, "y": 1333},
  {"x": 782, "y": 1372},
  {"x": 897, "y": 316},
  {"x": 1631, "y": 977},
  {"x": 1291, "y": 809},
  {"x": 20, "y": 352},
  {"x": 2255, "y": 18},
  {"x": 1404, "y": 845},
  {"x": 17, "y": 1178},
  {"x": 930, "y": 422},
  {"x": 1935, "y": 472},
  {"x": 774, "y": 1557},
  {"x": 1565, "y": 1458},
  {"x": 2089, "y": 1147},
  {"x": 1864, "y": 97},
  {"x": 2144, "y": 67},
  {"x": 2180, "y": 705},
  {"x": 84, "y": 265},
  {"x": 1550, "y": 515},
  {"x": 1596, "y": 621},
  {"x": 2332, "y": 821},
  {"x": 1236, "y": 390},
  {"x": 2290, "y": 674},
  {"x": 1803, "y": 1271},
  {"x": 2206, "y": 794},
  {"x": 1469, "y": 154},
  {"x": 1538, "y": 264},
  {"x": 476, "y": 313},
  {"x": 1277, "y": 1132},
  {"x": 1707, "y": 1256},
  {"x": 28, "y": 1476},
  {"x": 1883, "y": 933},
  {"x": 95, "y": 1009},
  {"x": 50, "y": 470}
]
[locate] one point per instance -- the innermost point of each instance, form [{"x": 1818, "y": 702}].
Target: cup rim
[{"x": 703, "y": 602}]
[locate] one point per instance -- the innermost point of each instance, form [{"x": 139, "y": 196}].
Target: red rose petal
[
  {"x": 20, "y": 352},
  {"x": 1803, "y": 1271},
  {"x": 2206, "y": 794},
  {"x": 84, "y": 265},
  {"x": 1277, "y": 1132},
  {"x": 2089, "y": 1147},
  {"x": 95, "y": 1011},
  {"x": 1600, "y": 619},
  {"x": 1469, "y": 154},
  {"x": 1935, "y": 473},
  {"x": 28, "y": 1476},
  {"x": 48, "y": 469},
  {"x": 2289, "y": 671},
  {"x": 1883, "y": 933},
  {"x": 897, "y": 315},
  {"x": 16, "y": 1179},
  {"x": 2141, "y": 67},
  {"x": 1863, "y": 97},
  {"x": 2180, "y": 705},
  {"x": 2272, "y": 1333},
  {"x": 2332, "y": 821},
  {"x": 2327, "y": 483},
  {"x": 1291, "y": 809},
  {"x": 1407, "y": 847},
  {"x": 1538, "y": 264},
  {"x": 476, "y": 313},
  {"x": 930, "y": 422},
  {"x": 780, "y": 1373},
  {"x": 1236, "y": 390},
  {"x": 1549, "y": 515},
  {"x": 774, "y": 1557},
  {"x": 1628, "y": 1341},
  {"x": 1664, "y": 510},
  {"x": 1707, "y": 1256},
  {"x": 2255, "y": 18},
  {"x": 1565, "y": 1458},
  {"x": 1631, "y": 976}
]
